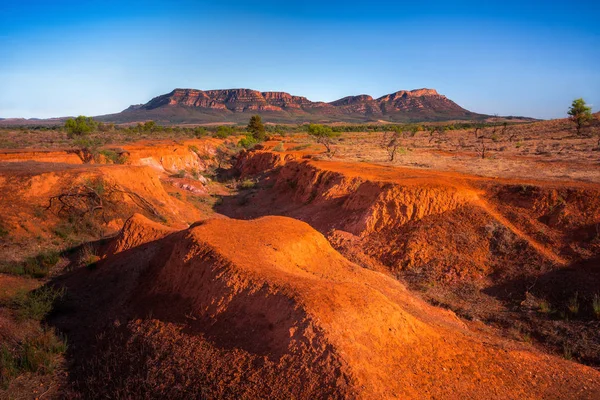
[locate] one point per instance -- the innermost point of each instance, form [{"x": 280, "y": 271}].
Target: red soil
[{"x": 268, "y": 308}]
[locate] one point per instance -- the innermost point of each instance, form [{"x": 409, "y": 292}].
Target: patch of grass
[
  {"x": 544, "y": 307},
  {"x": 113, "y": 156},
  {"x": 177, "y": 195},
  {"x": 35, "y": 267},
  {"x": 567, "y": 352},
  {"x": 279, "y": 147},
  {"x": 247, "y": 184},
  {"x": 3, "y": 231},
  {"x": 301, "y": 147},
  {"x": 37, "y": 304},
  {"x": 36, "y": 353},
  {"x": 573, "y": 305},
  {"x": 64, "y": 230},
  {"x": 596, "y": 305},
  {"x": 179, "y": 174},
  {"x": 88, "y": 257}
]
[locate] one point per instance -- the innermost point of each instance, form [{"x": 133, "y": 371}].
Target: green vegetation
[
  {"x": 279, "y": 147},
  {"x": 36, "y": 353},
  {"x": 113, "y": 156},
  {"x": 256, "y": 128},
  {"x": 34, "y": 267},
  {"x": 224, "y": 131},
  {"x": 544, "y": 307},
  {"x": 596, "y": 305},
  {"x": 179, "y": 174},
  {"x": 248, "y": 142},
  {"x": 247, "y": 184},
  {"x": 80, "y": 126},
  {"x": 200, "y": 132},
  {"x": 580, "y": 114},
  {"x": 323, "y": 134},
  {"x": 36, "y": 305},
  {"x": 573, "y": 304}
]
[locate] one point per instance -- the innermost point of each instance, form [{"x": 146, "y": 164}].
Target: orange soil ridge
[
  {"x": 381, "y": 197},
  {"x": 274, "y": 289}
]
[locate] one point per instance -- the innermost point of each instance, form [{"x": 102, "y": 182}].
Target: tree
[
  {"x": 256, "y": 128},
  {"x": 80, "y": 126},
  {"x": 323, "y": 135},
  {"x": 580, "y": 114},
  {"x": 391, "y": 143}
]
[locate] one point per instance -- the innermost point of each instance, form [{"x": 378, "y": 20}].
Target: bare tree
[{"x": 391, "y": 142}]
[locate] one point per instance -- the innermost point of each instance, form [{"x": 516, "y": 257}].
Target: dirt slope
[
  {"x": 483, "y": 247},
  {"x": 268, "y": 309}
]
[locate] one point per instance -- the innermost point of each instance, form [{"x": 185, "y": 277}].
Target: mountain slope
[{"x": 236, "y": 105}]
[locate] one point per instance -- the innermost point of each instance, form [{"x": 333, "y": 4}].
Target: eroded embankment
[
  {"x": 166, "y": 156},
  {"x": 382, "y": 202},
  {"x": 268, "y": 309},
  {"x": 46, "y": 205},
  {"x": 521, "y": 256}
]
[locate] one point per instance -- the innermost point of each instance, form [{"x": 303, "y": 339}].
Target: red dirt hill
[{"x": 268, "y": 309}]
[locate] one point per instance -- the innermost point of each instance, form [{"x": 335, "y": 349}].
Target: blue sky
[{"x": 95, "y": 57}]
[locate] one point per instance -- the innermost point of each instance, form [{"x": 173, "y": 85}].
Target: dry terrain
[{"x": 178, "y": 267}]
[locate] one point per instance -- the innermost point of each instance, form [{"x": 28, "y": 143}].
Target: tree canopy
[
  {"x": 256, "y": 128},
  {"x": 323, "y": 135},
  {"x": 80, "y": 126},
  {"x": 579, "y": 113}
]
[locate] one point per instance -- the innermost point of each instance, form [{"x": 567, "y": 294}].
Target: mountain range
[{"x": 236, "y": 105}]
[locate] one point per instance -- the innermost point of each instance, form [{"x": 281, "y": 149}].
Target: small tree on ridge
[{"x": 579, "y": 113}]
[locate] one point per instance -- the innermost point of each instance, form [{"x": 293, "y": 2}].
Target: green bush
[
  {"x": 256, "y": 128},
  {"x": 36, "y": 353},
  {"x": 35, "y": 267},
  {"x": 248, "y": 142},
  {"x": 113, "y": 156},
  {"x": 224, "y": 132},
  {"x": 36, "y": 305},
  {"x": 80, "y": 126},
  {"x": 247, "y": 184},
  {"x": 279, "y": 147}
]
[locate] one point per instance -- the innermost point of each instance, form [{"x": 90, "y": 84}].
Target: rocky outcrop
[{"x": 191, "y": 105}]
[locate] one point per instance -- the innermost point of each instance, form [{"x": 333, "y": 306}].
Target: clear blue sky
[{"x": 529, "y": 58}]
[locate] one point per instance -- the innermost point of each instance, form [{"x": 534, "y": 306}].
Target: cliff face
[{"x": 232, "y": 105}]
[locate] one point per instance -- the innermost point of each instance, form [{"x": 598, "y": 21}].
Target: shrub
[
  {"x": 80, "y": 126},
  {"x": 200, "y": 131},
  {"x": 596, "y": 305},
  {"x": 544, "y": 307},
  {"x": 36, "y": 353},
  {"x": 37, "y": 304},
  {"x": 247, "y": 184},
  {"x": 256, "y": 128},
  {"x": 35, "y": 267},
  {"x": 113, "y": 156},
  {"x": 224, "y": 132},
  {"x": 179, "y": 174},
  {"x": 323, "y": 135},
  {"x": 279, "y": 147},
  {"x": 248, "y": 142},
  {"x": 573, "y": 304},
  {"x": 88, "y": 257},
  {"x": 580, "y": 114}
]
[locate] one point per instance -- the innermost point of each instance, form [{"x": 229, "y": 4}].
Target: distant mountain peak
[{"x": 183, "y": 105}]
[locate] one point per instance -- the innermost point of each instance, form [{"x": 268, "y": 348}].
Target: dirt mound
[
  {"x": 267, "y": 308},
  {"x": 138, "y": 230},
  {"x": 476, "y": 245}
]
